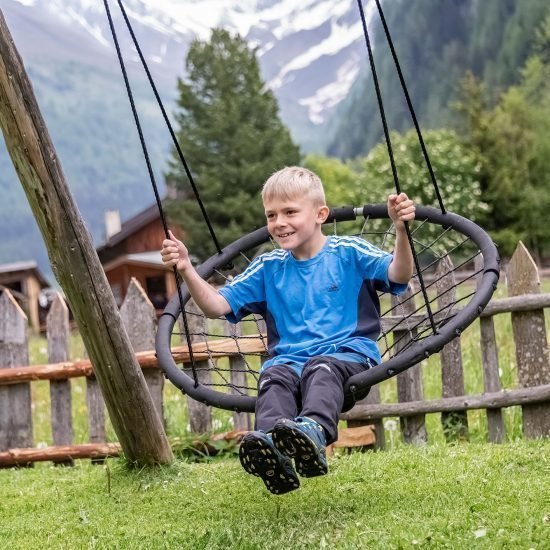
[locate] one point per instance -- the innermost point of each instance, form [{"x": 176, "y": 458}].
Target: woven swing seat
[{"x": 459, "y": 266}]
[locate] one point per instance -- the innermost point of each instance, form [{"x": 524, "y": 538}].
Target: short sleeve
[
  {"x": 245, "y": 294},
  {"x": 374, "y": 264}
]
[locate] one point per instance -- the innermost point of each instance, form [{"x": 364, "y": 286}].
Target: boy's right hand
[{"x": 174, "y": 253}]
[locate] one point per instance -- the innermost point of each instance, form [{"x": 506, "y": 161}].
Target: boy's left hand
[{"x": 400, "y": 208}]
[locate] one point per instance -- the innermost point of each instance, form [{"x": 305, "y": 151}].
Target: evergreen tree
[
  {"x": 514, "y": 146},
  {"x": 232, "y": 139}
]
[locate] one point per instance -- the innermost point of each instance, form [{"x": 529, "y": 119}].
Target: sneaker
[
  {"x": 259, "y": 457},
  {"x": 304, "y": 440}
]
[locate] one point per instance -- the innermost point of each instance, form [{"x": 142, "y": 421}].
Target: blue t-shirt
[{"x": 326, "y": 305}]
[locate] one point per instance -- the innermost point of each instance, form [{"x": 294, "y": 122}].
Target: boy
[{"x": 318, "y": 297}]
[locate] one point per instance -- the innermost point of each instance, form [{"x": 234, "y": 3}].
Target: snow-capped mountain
[{"x": 310, "y": 51}]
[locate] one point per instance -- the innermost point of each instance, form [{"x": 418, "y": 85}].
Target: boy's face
[{"x": 295, "y": 224}]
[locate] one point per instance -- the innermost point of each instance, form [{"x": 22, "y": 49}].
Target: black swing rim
[{"x": 359, "y": 383}]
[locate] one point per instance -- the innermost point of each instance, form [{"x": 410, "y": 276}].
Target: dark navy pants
[{"x": 317, "y": 394}]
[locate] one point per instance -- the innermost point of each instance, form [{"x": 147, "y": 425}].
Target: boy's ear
[{"x": 323, "y": 213}]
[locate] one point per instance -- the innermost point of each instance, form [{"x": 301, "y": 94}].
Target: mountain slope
[
  {"x": 437, "y": 43},
  {"x": 308, "y": 54}
]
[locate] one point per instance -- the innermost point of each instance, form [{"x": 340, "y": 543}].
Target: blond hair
[{"x": 293, "y": 182}]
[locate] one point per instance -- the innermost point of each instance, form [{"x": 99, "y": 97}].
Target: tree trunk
[{"x": 76, "y": 265}]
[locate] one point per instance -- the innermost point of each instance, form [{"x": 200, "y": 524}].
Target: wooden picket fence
[
  {"x": 525, "y": 302},
  {"x": 526, "y": 305}
]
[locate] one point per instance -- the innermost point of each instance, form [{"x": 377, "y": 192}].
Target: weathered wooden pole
[
  {"x": 140, "y": 321},
  {"x": 455, "y": 424},
  {"x": 532, "y": 352},
  {"x": 57, "y": 325},
  {"x": 409, "y": 382},
  {"x": 489, "y": 361},
  {"x": 238, "y": 376},
  {"x": 76, "y": 265},
  {"x": 15, "y": 403},
  {"x": 200, "y": 414}
]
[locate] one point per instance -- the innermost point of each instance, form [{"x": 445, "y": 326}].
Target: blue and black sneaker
[
  {"x": 304, "y": 440},
  {"x": 260, "y": 457}
]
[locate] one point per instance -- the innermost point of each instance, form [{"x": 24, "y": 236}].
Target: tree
[
  {"x": 456, "y": 167},
  {"x": 232, "y": 139},
  {"x": 518, "y": 157},
  {"x": 514, "y": 146},
  {"x": 338, "y": 179}
]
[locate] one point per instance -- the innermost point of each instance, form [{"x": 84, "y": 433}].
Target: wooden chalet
[
  {"x": 26, "y": 283},
  {"x": 132, "y": 249}
]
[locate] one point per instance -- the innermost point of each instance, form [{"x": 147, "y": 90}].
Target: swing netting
[{"x": 459, "y": 267}]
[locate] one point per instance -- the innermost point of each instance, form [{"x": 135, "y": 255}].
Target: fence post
[
  {"x": 139, "y": 319},
  {"x": 373, "y": 398},
  {"x": 15, "y": 400},
  {"x": 530, "y": 338},
  {"x": 409, "y": 382},
  {"x": 491, "y": 377},
  {"x": 96, "y": 413},
  {"x": 455, "y": 424},
  {"x": 262, "y": 329},
  {"x": 238, "y": 368},
  {"x": 57, "y": 326},
  {"x": 200, "y": 414}
]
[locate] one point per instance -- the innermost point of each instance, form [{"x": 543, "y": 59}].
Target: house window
[
  {"x": 156, "y": 291},
  {"x": 15, "y": 286}
]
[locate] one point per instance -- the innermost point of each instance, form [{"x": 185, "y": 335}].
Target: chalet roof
[
  {"x": 132, "y": 225},
  {"x": 18, "y": 266},
  {"x": 25, "y": 266},
  {"x": 144, "y": 259}
]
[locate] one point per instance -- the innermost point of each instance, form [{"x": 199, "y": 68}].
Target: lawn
[
  {"x": 439, "y": 496},
  {"x": 467, "y": 495}
]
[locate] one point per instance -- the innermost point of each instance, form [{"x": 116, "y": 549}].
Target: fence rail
[{"x": 525, "y": 304}]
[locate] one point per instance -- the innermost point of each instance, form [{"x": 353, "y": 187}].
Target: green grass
[
  {"x": 470, "y": 496},
  {"x": 440, "y": 496}
]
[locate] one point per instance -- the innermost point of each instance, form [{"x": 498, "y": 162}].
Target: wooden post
[
  {"x": 140, "y": 321},
  {"x": 455, "y": 424},
  {"x": 32, "y": 290},
  {"x": 96, "y": 413},
  {"x": 491, "y": 377},
  {"x": 373, "y": 398},
  {"x": 15, "y": 400},
  {"x": 76, "y": 265},
  {"x": 262, "y": 329},
  {"x": 200, "y": 414},
  {"x": 238, "y": 368},
  {"x": 57, "y": 326},
  {"x": 530, "y": 338},
  {"x": 409, "y": 382}
]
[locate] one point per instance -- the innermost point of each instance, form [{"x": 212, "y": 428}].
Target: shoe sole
[
  {"x": 259, "y": 459},
  {"x": 294, "y": 443}
]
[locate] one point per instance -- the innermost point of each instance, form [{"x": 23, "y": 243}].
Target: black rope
[
  {"x": 411, "y": 108},
  {"x": 392, "y": 160},
  {"x": 170, "y": 129},
  {"x": 153, "y": 181}
]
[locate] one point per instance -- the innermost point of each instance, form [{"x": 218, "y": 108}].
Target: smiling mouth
[{"x": 283, "y": 235}]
